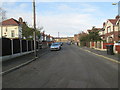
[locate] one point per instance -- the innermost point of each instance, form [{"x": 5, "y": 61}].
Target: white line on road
[{"x": 110, "y": 59}]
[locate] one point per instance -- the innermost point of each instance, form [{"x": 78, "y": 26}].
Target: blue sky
[{"x": 68, "y": 18}]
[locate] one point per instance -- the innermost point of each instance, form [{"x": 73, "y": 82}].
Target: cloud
[
  {"x": 64, "y": 7},
  {"x": 23, "y": 6},
  {"x": 67, "y": 24},
  {"x": 83, "y": 8},
  {"x": 60, "y": 1}
]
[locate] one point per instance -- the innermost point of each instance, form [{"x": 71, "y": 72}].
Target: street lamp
[
  {"x": 119, "y": 17},
  {"x": 114, "y": 3},
  {"x": 118, "y": 7}
]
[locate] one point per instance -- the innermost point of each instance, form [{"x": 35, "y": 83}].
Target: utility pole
[
  {"x": 58, "y": 34},
  {"x": 34, "y": 24}
]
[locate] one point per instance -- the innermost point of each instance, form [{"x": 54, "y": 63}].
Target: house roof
[
  {"x": 98, "y": 28},
  {"x": 75, "y": 34},
  {"x": 10, "y": 22},
  {"x": 89, "y": 30},
  {"x": 113, "y": 21},
  {"x": 118, "y": 21},
  {"x": 42, "y": 33}
]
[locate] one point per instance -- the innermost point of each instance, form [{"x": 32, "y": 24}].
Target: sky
[{"x": 67, "y": 18}]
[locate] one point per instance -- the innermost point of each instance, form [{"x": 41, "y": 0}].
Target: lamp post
[{"x": 119, "y": 17}]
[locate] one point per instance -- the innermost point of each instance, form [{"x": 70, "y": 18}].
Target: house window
[
  {"x": 12, "y": 34},
  {"x": 109, "y": 29},
  {"x": 6, "y": 29}
]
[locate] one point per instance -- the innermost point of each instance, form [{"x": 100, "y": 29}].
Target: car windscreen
[{"x": 55, "y": 44}]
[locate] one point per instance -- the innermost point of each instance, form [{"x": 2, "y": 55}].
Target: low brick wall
[
  {"x": 104, "y": 45},
  {"x": 117, "y": 48}
]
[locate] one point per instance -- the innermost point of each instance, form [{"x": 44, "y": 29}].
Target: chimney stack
[{"x": 20, "y": 20}]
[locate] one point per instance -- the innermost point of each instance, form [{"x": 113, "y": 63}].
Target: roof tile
[{"x": 10, "y": 22}]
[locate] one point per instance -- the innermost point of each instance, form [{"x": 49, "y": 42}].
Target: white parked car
[{"x": 55, "y": 46}]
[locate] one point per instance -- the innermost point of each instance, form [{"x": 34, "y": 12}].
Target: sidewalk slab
[
  {"x": 22, "y": 59},
  {"x": 104, "y": 53}
]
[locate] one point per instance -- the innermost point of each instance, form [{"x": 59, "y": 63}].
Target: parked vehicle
[
  {"x": 55, "y": 46},
  {"x": 60, "y": 43},
  {"x": 68, "y": 43}
]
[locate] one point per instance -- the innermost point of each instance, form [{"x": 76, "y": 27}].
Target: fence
[{"x": 16, "y": 47}]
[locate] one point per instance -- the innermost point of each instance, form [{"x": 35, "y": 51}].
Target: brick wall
[
  {"x": 104, "y": 45},
  {"x": 117, "y": 48}
]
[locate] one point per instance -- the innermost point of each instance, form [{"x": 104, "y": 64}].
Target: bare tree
[{"x": 2, "y": 14}]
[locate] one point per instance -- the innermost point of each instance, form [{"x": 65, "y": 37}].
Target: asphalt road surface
[{"x": 70, "y": 67}]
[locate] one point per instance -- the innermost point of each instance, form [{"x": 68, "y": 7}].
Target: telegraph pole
[
  {"x": 58, "y": 34},
  {"x": 34, "y": 24}
]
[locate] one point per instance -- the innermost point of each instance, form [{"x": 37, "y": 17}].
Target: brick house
[
  {"x": 42, "y": 37},
  {"x": 78, "y": 36},
  {"x": 98, "y": 30},
  {"x": 110, "y": 30},
  {"x": 48, "y": 38},
  {"x": 94, "y": 29},
  {"x": 45, "y": 37}
]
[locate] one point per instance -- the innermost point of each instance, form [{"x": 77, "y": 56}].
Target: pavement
[
  {"x": 103, "y": 53},
  {"x": 71, "y": 67},
  {"x": 6, "y": 65}
]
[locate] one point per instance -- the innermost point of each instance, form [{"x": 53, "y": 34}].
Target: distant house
[
  {"x": 51, "y": 38},
  {"x": 94, "y": 29},
  {"x": 61, "y": 39},
  {"x": 45, "y": 37},
  {"x": 110, "y": 30},
  {"x": 78, "y": 36},
  {"x": 42, "y": 37},
  {"x": 11, "y": 28}
]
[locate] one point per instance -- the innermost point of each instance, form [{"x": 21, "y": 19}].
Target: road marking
[
  {"x": 21, "y": 65},
  {"x": 110, "y": 59}
]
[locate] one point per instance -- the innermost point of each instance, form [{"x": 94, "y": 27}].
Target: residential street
[{"x": 71, "y": 67}]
